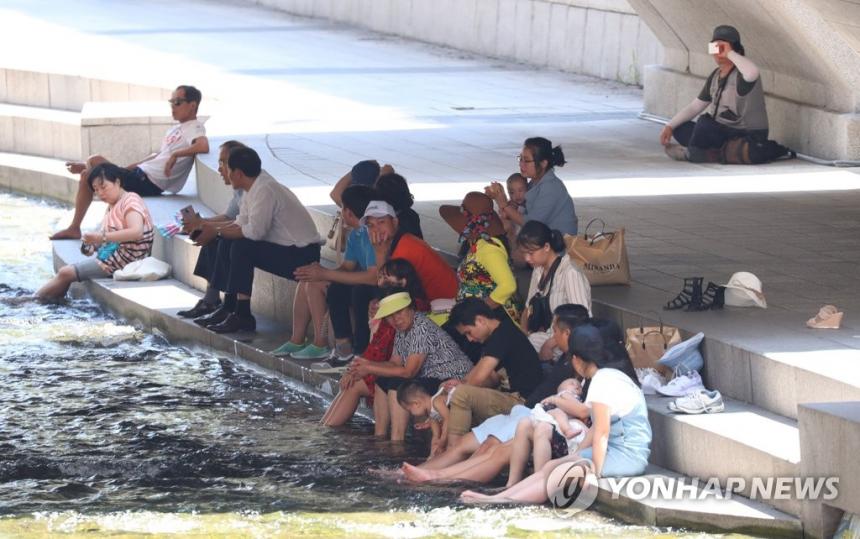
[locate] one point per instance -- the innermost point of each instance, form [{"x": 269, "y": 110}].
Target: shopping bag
[
  {"x": 602, "y": 257},
  {"x": 647, "y": 344}
]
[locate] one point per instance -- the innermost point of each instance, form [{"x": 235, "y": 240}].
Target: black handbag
[{"x": 540, "y": 311}]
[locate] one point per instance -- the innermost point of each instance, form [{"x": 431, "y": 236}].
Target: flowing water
[{"x": 105, "y": 428}]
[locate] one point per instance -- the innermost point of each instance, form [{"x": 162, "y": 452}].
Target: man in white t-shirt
[{"x": 166, "y": 170}]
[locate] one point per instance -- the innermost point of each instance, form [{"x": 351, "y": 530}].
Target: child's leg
[
  {"x": 563, "y": 422},
  {"x": 520, "y": 451}
]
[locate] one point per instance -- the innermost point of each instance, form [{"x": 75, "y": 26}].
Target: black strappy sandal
[
  {"x": 714, "y": 296},
  {"x": 690, "y": 297}
]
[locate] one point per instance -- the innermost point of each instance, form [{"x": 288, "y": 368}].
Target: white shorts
[{"x": 502, "y": 426}]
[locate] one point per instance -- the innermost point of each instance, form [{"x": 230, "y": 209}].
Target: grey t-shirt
[{"x": 549, "y": 202}]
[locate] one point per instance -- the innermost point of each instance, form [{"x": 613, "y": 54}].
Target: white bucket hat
[{"x": 744, "y": 290}]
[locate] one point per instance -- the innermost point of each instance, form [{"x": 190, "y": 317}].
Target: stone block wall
[{"x": 601, "y": 38}]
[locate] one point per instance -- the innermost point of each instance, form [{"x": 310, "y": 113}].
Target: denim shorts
[{"x": 89, "y": 269}]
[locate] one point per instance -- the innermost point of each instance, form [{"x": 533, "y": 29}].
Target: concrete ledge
[
  {"x": 68, "y": 92},
  {"x": 799, "y": 126},
  {"x": 701, "y": 511},
  {"x": 40, "y": 131},
  {"x": 829, "y": 437},
  {"x": 743, "y": 441},
  {"x": 39, "y": 176}
]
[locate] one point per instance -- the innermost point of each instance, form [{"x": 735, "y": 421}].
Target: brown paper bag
[
  {"x": 647, "y": 344},
  {"x": 602, "y": 257}
]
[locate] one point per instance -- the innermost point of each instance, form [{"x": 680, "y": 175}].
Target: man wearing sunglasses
[{"x": 166, "y": 170}]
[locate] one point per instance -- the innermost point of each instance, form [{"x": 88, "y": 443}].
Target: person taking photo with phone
[{"x": 732, "y": 101}]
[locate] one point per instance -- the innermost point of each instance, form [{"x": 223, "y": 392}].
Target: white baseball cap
[{"x": 377, "y": 208}]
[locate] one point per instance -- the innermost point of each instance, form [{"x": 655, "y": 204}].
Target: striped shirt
[{"x": 115, "y": 219}]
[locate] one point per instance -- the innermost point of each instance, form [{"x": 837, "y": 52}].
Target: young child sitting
[
  {"x": 516, "y": 187},
  {"x": 415, "y": 398}
]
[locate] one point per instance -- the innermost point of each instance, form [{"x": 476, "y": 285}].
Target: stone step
[
  {"x": 40, "y": 176},
  {"x": 695, "y": 506},
  {"x": 68, "y": 91},
  {"x": 764, "y": 357},
  {"x": 743, "y": 441},
  {"x": 40, "y": 131}
]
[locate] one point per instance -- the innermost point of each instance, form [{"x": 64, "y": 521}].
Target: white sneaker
[
  {"x": 650, "y": 380},
  {"x": 697, "y": 402},
  {"x": 682, "y": 384}
]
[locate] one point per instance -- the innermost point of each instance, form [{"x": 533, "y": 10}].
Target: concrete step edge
[{"x": 701, "y": 507}]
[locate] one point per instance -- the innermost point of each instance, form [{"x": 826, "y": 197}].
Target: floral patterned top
[{"x": 486, "y": 272}]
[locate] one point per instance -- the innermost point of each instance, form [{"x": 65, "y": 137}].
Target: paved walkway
[{"x": 323, "y": 96}]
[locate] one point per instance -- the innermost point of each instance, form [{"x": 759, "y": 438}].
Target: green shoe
[
  {"x": 288, "y": 348},
  {"x": 311, "y": 352}
]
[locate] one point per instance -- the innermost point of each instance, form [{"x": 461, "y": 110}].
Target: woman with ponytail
[
  {"x": 556, "y": 280},
  {"x": 547, "y": 199}
]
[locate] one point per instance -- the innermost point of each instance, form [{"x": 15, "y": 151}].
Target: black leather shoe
[
  {"x": 216, "y": 317},
  {"x": 234, "y": 323},
  {"x": 200, "y": 309}
]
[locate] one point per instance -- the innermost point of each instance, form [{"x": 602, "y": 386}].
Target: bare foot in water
[
  {"x": 387, "y": 473},
  {"x": 470, "y": 496},
  {"x": 416, "y": 474},
  {"x": 71, "y": 233},
  {"x": 75, "y": 167}
]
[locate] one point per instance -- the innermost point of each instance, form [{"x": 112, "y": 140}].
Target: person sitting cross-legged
[
  {"x": 211, "y": 300},
  {"x": 166, "y": 170},
  {"x": 273, "y": 232}
]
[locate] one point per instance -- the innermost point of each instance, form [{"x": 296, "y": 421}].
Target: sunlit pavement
[{"x": 322, "y": 96}]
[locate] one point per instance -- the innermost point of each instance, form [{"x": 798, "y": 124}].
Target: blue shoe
[
  {"x": 288, "y": 348},
  {"x": 311, "y": 351}
]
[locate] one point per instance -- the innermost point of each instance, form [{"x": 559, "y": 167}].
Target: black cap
[
  {"x": 724, "y": 32},
  {"x": 365, "y": 173}
]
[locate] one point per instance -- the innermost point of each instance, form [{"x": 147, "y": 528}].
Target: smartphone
[
  {"x": 713, "y": 47},
  {"x": 187, "y": 213}
]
